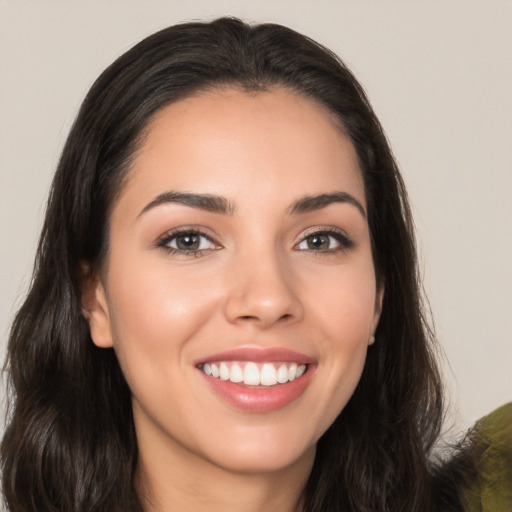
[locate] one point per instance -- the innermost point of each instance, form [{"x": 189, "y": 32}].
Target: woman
[{"x": 225, "y": 310}]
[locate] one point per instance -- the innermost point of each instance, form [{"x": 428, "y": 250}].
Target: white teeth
[
  {"x": 292, "y": 372},
  {"x": 268, "y": 375},
  {"x": 236, "y": 374},
  {"x": 252, "y": 374},
  {"x": 224, "y": 371},
  {"x": 282, "y": 374}
]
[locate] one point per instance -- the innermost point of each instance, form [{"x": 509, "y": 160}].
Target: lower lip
[{"x": 259, "y": 399}]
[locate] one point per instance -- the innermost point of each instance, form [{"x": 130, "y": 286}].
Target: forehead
[{"x": 230, "y": 143}]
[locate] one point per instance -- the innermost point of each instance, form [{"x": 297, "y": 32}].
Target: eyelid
[
  {"x": 339, "y": 234},
  {"x": 322, "y": 229},
  {"x": 163, "y": 240}
]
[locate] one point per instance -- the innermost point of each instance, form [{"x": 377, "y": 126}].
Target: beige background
[{"x": 439, "y": 75}]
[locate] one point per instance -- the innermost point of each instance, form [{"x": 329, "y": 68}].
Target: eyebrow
[
  {"x": 208, "y": 202},
  {"x": 219, "y": 204},
  {"x": 312, "y": 203}
]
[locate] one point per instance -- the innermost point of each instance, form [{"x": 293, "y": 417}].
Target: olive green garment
[{"x": 493, "y": 490}]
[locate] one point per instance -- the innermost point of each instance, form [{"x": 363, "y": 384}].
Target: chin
[
  {"x": 260, "y": 450},
  {"x": 260, "y": 461}
]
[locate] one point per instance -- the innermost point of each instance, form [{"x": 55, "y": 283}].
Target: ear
[
  {"x": 95, "y": 309},
  {"x": 376, "y": 315}
]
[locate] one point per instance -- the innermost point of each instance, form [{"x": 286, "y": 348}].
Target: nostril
[{"x": 285, "y": 317}]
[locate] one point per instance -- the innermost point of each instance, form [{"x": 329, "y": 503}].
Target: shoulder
[{"x": 491, "y": 489}]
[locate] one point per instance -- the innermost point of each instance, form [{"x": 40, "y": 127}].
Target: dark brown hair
[{"x": 70, "y": 443}]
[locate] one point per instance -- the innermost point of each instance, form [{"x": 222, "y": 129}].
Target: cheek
[
  {"x": 344, "y": 303},
  {"x": 154, "y": 313},
  {"x": 344, "y": 309}
]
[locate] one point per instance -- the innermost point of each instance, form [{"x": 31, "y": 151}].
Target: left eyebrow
[{"x": 312, "y": 203}]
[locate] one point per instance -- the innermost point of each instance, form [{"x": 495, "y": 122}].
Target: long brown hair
[{"x": 70, "y": 442}]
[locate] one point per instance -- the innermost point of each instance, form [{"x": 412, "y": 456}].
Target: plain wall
[{"x": 439, "y": 75}]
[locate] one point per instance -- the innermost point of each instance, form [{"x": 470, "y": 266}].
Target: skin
[{"x": 255, "y": 282}]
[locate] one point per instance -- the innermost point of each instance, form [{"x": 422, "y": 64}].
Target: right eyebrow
[{"x": 208, "y": 202}]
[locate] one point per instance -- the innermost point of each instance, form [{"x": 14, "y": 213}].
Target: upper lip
[{"x": 258, "y": 355}]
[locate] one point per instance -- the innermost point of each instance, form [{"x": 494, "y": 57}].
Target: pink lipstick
[{"x": 258, "y": 380}]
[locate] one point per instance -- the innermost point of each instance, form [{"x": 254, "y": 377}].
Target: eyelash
[
  {"x": 345, "y": 243},
  {"x": 166, "y": 239},
  {"x": 339, "y": 236}
]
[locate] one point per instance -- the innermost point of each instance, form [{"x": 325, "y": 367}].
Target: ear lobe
[{"x": 95, "y": 310}]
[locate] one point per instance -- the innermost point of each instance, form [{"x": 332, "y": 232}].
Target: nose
[{"x": 263, "y": 292}]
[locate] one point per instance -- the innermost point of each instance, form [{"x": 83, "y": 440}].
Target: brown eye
[
  {"x": 325, "y": 241},
  {"x": 187, "y": 242},
  {"x": 319, "y": 242}
]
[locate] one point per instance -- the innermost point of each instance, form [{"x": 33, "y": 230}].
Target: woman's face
[{"x": 239, "y": 292}]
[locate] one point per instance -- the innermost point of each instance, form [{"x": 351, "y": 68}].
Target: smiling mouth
[{"x": 248, "y": 373}]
